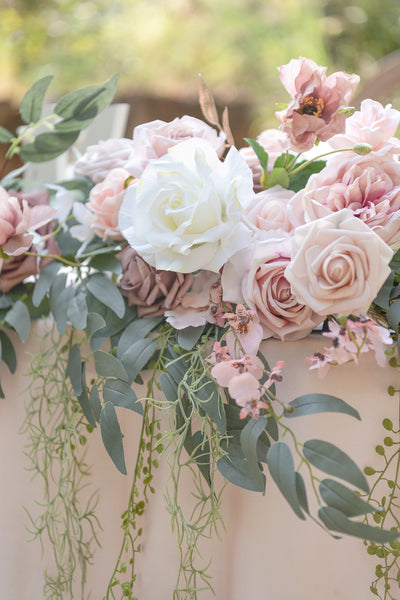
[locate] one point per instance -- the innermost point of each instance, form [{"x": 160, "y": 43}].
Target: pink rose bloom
[
  {"x": 367, "y": 185},
  {"x": 15, "y": 218},
  {"x": 105, "y": 200},
  {"x": 101, "y": 158},
  {"x": 152, "y": 140},
  {"x": 271, "y": 210},
  {"x": 338, "y": 264},
  {"x": 274, "y": 141},
  {"x": 373, "y": 124},
  {"x": 316, "y": 102},
  {"x": 266, "y": 288}
]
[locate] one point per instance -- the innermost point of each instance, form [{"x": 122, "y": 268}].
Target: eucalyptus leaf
[
  {"x": 107, "y": 293},
  {"x": 32, "y": 102},
  {"x": 112, "y": 436},
  {"x": 60, "y": 297},
  {"x": 9, "y": 355},
  {"x": 329, "y": 458},
  {"x": 188, "y": 337},
  {"x": 44, "y": 281},
  {"x": 248, "y": 439},
  {"x": 94, "y": 323},
  {"x": 84, "y": 401},
  {"x": 339, "y": 496},
  {"x": 302, "y": 493},
  {"x": 106, "y": 262},
  {"x": 310, "y": 404},
  {"x": 237, "y": 472},
  {"x": 335, "y": 520},
  {"x": 47, "y": 146},
  {"x": 121, "y": 394},
  {"x": 281, "y": 466},
  {"x": 383, "y": 297},
  {"x": 209, "y": 399},
  {"x": 136, "y": 357},
  {"x": 108, "y": 365},
  {"x": 18, "y": 317},
  {"x": 5, "y": 136},
  {"x": 74, "y": 104},
  {"x": 77, "y": 311},
  {"x": 198, "y": 446},
  {"x": 169, "y": 388},
  {"x": 137, "y": 330},
  {"x": 74, "y": 369},
  {"x": 393, "y": 315},
  {"x": 95, "y": 402}
]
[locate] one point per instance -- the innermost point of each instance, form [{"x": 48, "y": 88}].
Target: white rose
[{"x": 185, "y": 212}]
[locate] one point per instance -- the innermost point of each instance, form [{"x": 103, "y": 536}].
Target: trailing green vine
[{"x": 57, "y": 435}]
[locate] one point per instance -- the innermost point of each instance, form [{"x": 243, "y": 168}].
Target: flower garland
[{"x": 166, "y": 260}]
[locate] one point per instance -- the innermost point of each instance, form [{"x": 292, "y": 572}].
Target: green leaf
[
  {"x": 8, "y": 353},
  {"x": 136, "y": 357},
  {"x": 209, "y": 399},
  {"x": 310, "y": 404},
  {"x": 339, "y": 496},
  {"x": 5, "y": 136},
  {"x": 336, "y": 521},
  {"x": 108, "y": 366},
  {"x": 301, "y": 493},
  {"x": 329, "y": 458},
  {"x": 106, "y": 262},
  {"x": 278, "y": 176},
  {"x": 74, "y": 104},
  {"x": 107, "y": 293},
  {"x": 137, "y": 330},
  {"x": 44, "y": 281},
  {"x": 281, "y": 466},
  {"x": 198, "y": 447},
  {"x": 18, "y": 317},
  {"x": 74, "y": 369},
  {"x": 60, "y": 297},
  {"x": 121, "y": 394},
  {"x": 32, "y": 102},
  {"x": 383, "y": 297},
  {"x": 299, "y": 180},
  {"x": 236, "y": 470},
  {"x": 393, "y": 315},
  {"x": 95, "y": 402},
  {"x": 47, "y": 146},
  {"x": 260, "y": 152},
  {"x": 84, "y": 401},
  {"x": 188, "y": 337},
  {"x": 169, "y": 388},
  {"x": 248, "y": 440},
  {"x": 94, "y": 323},
  {"x": 112, "y": 436},
  {"x": 77, "y": 311}
]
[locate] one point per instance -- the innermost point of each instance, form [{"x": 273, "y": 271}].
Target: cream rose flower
[
  {"x": 185, "y": 212},
  {"x": 338, "y": 264}
]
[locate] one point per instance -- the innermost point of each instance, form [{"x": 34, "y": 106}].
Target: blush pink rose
[
  {"x": 274, "y": 141},
  {"x": 152, "y": 140},
  {"x": 267, "y": 290},
  {"x": 105, "y": 200},
  {"x": 272, "y": 210},
  {"x": 314, "y": 111},
  {"x": 369, "y": 186},
  {"x": 373, "y": 124},
  {"x": 99, "y": 159},
  {"x": 15, "y": 218},
  {"x": 338, "y": 264}
]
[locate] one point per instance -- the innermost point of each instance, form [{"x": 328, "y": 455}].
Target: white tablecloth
[{"x": 266, "y": 552}]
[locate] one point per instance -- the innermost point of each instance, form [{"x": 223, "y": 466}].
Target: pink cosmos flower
[
  {"x": 105, "y": 200},
  {"x": 369, "y": 186},
  {"x": 373, "y": 124},
  {"x": 314, "y": 111}
]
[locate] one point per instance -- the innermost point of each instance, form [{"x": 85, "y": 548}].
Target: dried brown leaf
[
  {"x": 207, "y": 104},
  {"x": 226, "y": 128}
]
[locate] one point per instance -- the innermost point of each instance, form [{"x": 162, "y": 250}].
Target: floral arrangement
[{"x": 163, "y": 263}]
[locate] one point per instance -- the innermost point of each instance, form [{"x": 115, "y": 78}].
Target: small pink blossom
[
  {"x": 245, "y": 389},
  {"x": 105, "y": 200},
  {"x": 248, "y": 332},
  {"x": 373, "y": 124},
  {"x": 314, "y": 111},
  {"x": 275, "y": 375}
]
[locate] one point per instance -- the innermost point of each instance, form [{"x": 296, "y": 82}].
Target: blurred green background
[{"x": 159, "y": 46}]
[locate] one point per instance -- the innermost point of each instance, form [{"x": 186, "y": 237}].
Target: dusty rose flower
[
  {"x": 105, "y": 200},
  {"x": 272, "y": 210},
  {"x": 274, "y": 141},
  {"x": 369, "y": 186},
  {"x": 152, "y": 291},
  {"x": 152, "y": 140},
  {"x": 100, "y": 158},
  {"x": 338, "y": 264},
  {"x": 266, "y": 288},
  {"x": 316, "y": 102},
  {"x": 373, "y": 124},
  {"x": 21, "y": 266},
  {"x": 15, "y": 218}
]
